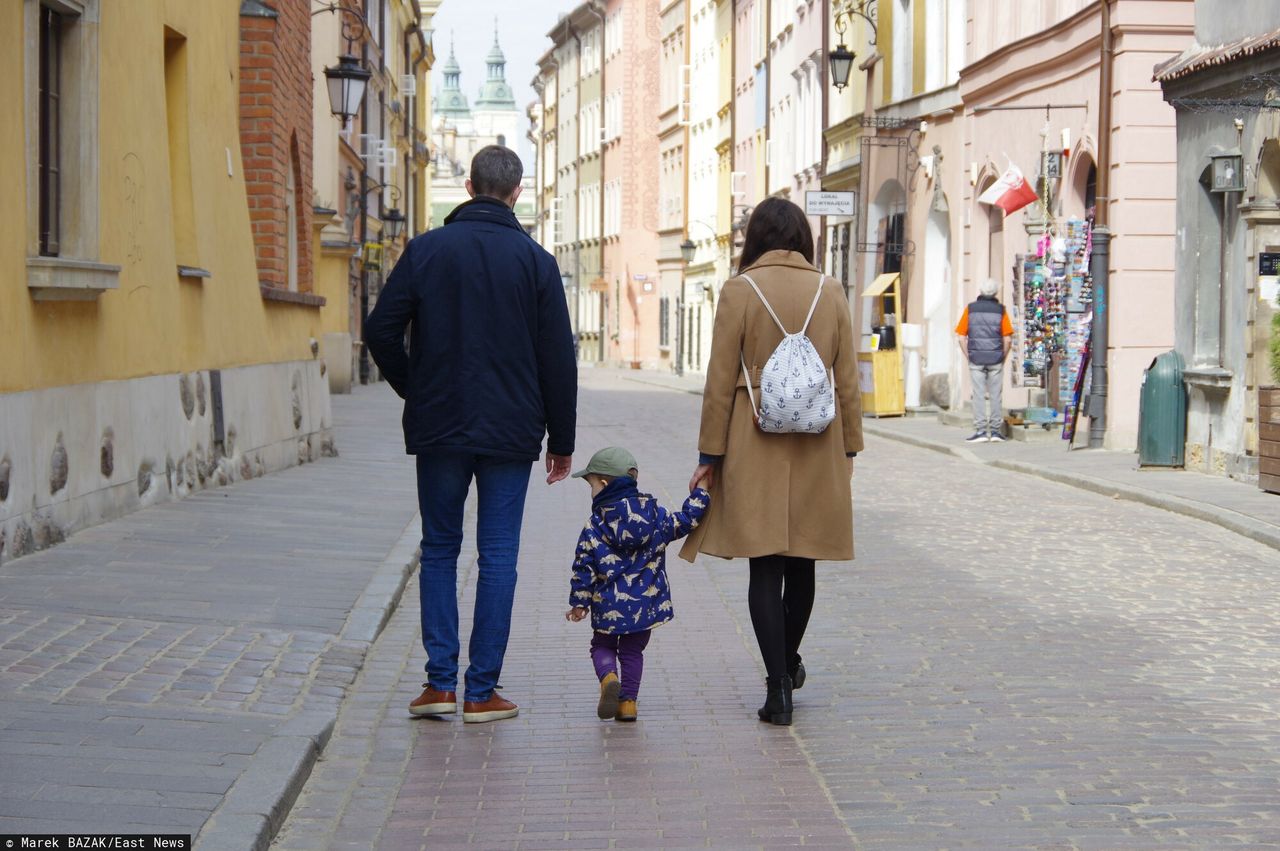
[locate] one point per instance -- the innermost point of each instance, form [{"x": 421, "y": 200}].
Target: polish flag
[{"x": 1011, "y": 192}]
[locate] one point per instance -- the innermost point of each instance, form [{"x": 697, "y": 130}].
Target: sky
[{"x": 522, "y": 32}]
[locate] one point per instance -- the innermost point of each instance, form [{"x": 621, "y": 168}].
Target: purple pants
[{"x": 608, "y": 650}]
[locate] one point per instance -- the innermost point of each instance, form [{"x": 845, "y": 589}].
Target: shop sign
[{"x": 818, "y": 203}]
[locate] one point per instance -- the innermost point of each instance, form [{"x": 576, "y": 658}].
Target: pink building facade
[
  {"x": 630, "y": 188},
  {"x": 1049, "y": 54}
]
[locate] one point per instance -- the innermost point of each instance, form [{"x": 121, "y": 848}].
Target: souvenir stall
[{"x": 1052, "y": 313}]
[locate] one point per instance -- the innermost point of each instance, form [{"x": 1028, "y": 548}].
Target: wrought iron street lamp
[
  {"x": 393, "y": 221},
  {"x": 346, "y": 80},
  {"x": 687, "y": 250},
  {"x": 841, "y": 63},
  {"x": 840, "y": 59}
]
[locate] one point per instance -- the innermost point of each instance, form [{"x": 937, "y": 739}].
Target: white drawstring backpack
[{"x": 797, "y": 393}]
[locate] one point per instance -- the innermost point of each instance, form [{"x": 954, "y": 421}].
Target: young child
[{"x": 620, "y": 573}]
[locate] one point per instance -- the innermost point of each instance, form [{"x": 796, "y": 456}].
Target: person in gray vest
[{"x": 985, "y": 334}]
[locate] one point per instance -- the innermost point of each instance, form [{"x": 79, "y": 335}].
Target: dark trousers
[
  {"x": 608, "y": 650},
  {"x": 780, "y": 598}
]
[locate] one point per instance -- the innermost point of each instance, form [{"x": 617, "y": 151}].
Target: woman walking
[{"x": 781, "y": 500}]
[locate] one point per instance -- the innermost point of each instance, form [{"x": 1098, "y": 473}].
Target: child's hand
[{"x": 576, "y": 614}]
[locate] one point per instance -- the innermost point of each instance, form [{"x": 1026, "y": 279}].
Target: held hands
[
  {"x": 576, "y": 614},
  {"x": 558, "y": 467},
  {"x": 703, "y": 475}
]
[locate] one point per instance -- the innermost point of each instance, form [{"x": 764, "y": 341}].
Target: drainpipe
[
  {"x": 1100, "y": 262},
  {"x": 826, "y": 122},
  {"x": 684, "y": 200},
  {"x": 768, "y": 92}
]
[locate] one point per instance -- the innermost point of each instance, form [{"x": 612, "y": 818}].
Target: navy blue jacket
[
  {"x": 490, "y": 367},
  {"x": 620, "y": 566}
]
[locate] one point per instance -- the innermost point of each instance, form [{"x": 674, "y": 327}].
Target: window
[
  {"x": 902, "y": 49},
  {"x": 50, "y": 155},
  {"x": 60, "y": 106},
  {"x": 182, "y": 207},
  {"x": 664, "y": 322},
  {"x": 373, "y": 15}
]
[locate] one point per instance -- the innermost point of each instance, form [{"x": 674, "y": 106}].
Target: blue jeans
[{"x": 444, "y": 479}]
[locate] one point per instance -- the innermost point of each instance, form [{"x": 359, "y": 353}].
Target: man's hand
[
  {"x": 558, "y": 467},
  {"x": 576, "y": 614},
  {"x": 703, "y": 475},
  {"x": 849, "y": 461}
]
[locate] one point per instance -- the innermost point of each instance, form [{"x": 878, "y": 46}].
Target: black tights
[{"x": 780, "y": 599}]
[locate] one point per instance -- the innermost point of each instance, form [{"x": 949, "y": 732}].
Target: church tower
[
  {"x": 496, "y": 114},
  {"x": 451, "y": 103}
]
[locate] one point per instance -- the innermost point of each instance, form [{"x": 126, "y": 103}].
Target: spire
[
  {"x": 452, "y": 102},
  {"x": 495, "y": 94}
]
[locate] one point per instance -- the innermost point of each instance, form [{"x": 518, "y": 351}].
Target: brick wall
[{"x": 275, "y": 121}]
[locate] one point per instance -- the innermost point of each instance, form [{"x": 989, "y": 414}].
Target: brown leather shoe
[
  {"x": 626, "y": 710},
  {"x": 494, "y": 709},
  {"x": 432, "y": 702}
]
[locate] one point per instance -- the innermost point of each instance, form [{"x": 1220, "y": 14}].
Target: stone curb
[
  {"x": 1240, "y": 524},
  {"x": 258, "y": 802},
  {"x": 1231, "y": 521}
]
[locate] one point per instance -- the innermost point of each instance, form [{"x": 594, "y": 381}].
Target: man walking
[
  {"x": 490, "y": 369},
  {"x": 985, "y": 334}
]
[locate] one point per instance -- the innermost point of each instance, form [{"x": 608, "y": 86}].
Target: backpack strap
[
  {"x": 768, "y": 306},
  {"x": 818, "y": 295},
  {"x": 755, "y": 412}
]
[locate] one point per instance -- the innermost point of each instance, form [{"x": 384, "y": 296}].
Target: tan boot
[
  {"x": 608, "y": 706},
  {"x": 626, "y": 710}
]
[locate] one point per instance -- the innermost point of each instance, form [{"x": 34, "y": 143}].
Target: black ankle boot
[
  {"x": 777, "y": 702},
  {"x": 797, "y": 675}
]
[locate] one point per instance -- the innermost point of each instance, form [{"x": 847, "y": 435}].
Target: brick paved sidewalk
[
  {"x": 184, "y": 660},
  {"x": 697, "y": 770}
]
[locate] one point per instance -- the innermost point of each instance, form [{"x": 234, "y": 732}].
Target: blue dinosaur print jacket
[{"x": 620, "y": 568}]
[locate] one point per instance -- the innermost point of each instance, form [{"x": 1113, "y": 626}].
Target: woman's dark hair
[{"x": 776, "y": 224}]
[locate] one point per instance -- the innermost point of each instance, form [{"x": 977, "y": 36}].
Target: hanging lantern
[
  {"x": 687, "y": 249},
  {"x": 346, "y": 80},
  {"x": 393, "y": 222},
  {"x": 841, "y": 61}
]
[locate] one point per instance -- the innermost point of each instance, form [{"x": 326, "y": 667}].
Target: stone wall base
[{"x": 72, "y": 457}]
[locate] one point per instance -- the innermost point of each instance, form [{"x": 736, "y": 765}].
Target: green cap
[{"x": 611, "y": 461}]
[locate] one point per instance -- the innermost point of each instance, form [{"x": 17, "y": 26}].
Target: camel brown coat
[{"x": 777, "y": 494}]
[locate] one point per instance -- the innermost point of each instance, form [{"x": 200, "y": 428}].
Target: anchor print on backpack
[{"x": 797, "y": 392}]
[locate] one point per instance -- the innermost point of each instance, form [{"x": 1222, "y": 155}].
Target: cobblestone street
[{"x": 1009, "y": 662}]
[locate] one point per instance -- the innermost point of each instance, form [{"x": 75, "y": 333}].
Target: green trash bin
[{"x": 1162, "y": 413}]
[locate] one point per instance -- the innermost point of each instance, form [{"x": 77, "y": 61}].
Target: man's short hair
[
  {"x": 989, "y": 287},
  {"x": 496, "y": 171}
]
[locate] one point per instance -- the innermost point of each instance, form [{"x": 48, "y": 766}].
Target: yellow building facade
[{"x": 139, "y": 357}]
